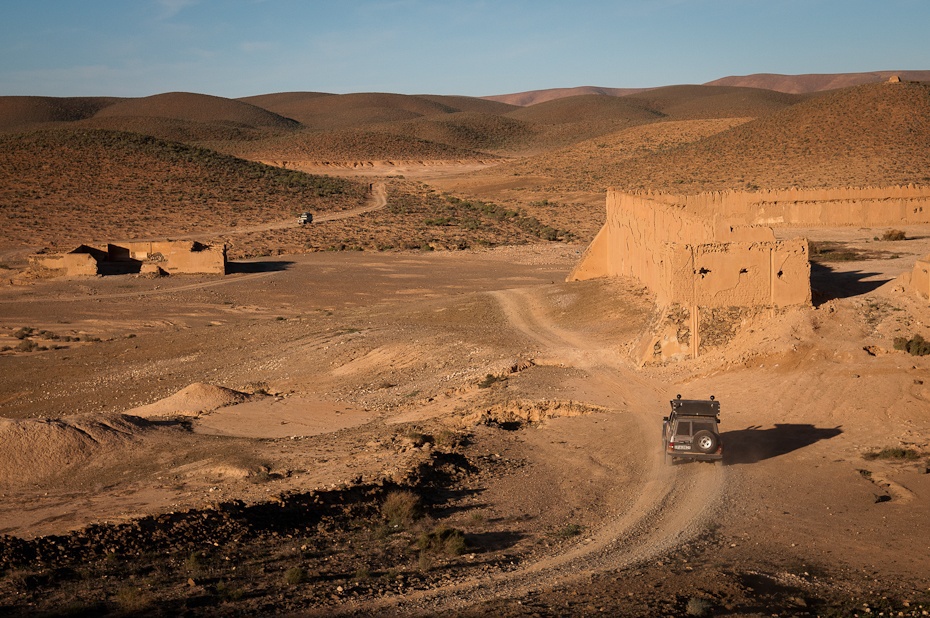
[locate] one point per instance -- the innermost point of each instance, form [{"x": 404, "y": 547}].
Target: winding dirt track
[
  {"x": 377, "y": 201},
  {"x": 659, "y": 508}
]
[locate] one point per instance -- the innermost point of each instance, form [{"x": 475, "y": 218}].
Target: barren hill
[
  {"x": 196, "y": 108},
  {"x": 467, "y": 130},
  {"x": 532, "y": 97},
  {"x": 815, "y": 82},
  {"x": 702, "y": 102},
  {"x": 104, "y": 185},
  {"x": 176, "y": 116},
  {"x": 346, "y": 146},
  {"x": 877, "y": 134},
  {"x": 21, "y": 113},
  {"x": 339, "y": 111}
]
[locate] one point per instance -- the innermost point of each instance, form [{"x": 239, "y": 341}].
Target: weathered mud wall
[
  {"x": 170, "y": 256},
  {"x": 739, "y": 274},
  {"x": 864, "y": 207},
  {"x": 689, "y": 260},
  {"x": 193, "y": 258},
  {"x": 919, "y": 282}
]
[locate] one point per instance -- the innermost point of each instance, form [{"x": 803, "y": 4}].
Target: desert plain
[{"x": 405, "y": 408}]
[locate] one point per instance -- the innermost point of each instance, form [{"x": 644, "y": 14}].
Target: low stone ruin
[{"x": 165, "y": 257}]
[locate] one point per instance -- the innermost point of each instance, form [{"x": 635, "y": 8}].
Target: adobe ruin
[
  {"x": 163, "y": 257},
  {"x": 717, "y": 251}
]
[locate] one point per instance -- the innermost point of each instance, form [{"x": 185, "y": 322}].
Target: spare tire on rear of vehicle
[{"x": 704, "y": 441}]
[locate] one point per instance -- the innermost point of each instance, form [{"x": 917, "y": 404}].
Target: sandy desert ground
[{"x": 460, "y": 432}]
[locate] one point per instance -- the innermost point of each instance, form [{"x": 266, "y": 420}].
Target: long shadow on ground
[
  {"x": 753, "y": 444},
  {"x": 828, "y": 283},
  {"x": 257, "y": 267}
]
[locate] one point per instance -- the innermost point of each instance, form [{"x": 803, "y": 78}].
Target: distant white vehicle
[{"x": 305, "y": 218}]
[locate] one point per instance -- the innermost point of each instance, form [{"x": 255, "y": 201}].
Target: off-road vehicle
[
  {"x": 690, "y": 431},
  {"x": 305, "y": 218}
]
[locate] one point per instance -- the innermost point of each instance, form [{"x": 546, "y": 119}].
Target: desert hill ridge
[
  {"x": 532, "y": 97},
  {"x": 815, "y": 82},
  {"x": 871, "y": 135},
  {"x": 791, "y": 84},
  {"x": 105, "y": 183}
]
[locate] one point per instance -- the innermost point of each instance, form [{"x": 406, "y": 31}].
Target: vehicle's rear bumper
[{"x": 697, "y": 456}]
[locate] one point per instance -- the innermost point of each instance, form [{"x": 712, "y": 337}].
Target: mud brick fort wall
[
  {"x": 718, "y": 249},
  {"x": 692, "y": 260}
]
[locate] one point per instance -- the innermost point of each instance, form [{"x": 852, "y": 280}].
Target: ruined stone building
[{"x": 156, "y": 257}]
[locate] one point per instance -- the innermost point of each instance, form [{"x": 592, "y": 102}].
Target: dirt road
[{"x": 651, "y": 508}]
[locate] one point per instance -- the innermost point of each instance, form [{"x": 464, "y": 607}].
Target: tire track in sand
[{"x": 672, "y": 505}]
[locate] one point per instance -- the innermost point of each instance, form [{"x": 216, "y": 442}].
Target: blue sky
[{"x": 237, "y": 48}]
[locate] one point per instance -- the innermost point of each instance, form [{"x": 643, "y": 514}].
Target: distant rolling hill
[
  {"x": 792, "y": 84},
  {"x": 877, "y": 134},
  {"x": 533, "y": 97},
  {"x": 704, "y": 102},
  {"x": 60, "y": 186},
  {"x": 342, "y": 111},
  {"x": 814, "y": 82},
  {"x": 23, "y": 113}
]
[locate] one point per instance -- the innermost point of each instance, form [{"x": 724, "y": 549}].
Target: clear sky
[{"x": 237, "y": 48}]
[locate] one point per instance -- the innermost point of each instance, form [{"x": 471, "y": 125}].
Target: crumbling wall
[
  {"x": 174, "y": 256},
  {"x": 170, "y": 256},
  {"x": 689, "y": 260},
  {"x": 739, "y": 274},
  {"x": 192, "y": 257},
  {"x": 834, "y": 207},
  {"x": 919, "y": 282},
  {"x": 83, "y": 261}
]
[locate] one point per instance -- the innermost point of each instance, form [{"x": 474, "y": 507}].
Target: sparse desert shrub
[
  {"x": 194, "y": 562},
  {"x": 294, "y": 576},
  {"x": 418, "y": 438},
  {"x": 401, "y": 508},
  {"x": 697, "y": 607},
  {"x": 894, "y": 235},
  {"x": 447, "y": 439},
  {"x": 26, "y": 345},
  {"x": 892, "y": 452},
  {"x": 915, "y": 346},
  {"x": 131, "y": 600},
  {"x": 362, "y": 573},
  {"x": 23, "y": 332},
  {"x": 569, "y": 531},
  {"x": 442, "y": 541},
  {"x": 229, "y": 593},
  {"x": 489, "y": 380}
]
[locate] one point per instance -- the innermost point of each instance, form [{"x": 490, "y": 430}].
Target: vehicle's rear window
[{"x": 689, "y": 428}]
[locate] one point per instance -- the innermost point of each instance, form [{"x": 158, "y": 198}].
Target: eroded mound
[
  {"x": 191, "y": 401},
  {"x": 38, "y": 450}
]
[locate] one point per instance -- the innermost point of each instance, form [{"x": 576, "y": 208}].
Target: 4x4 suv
[{"x": 690, "y": 431}]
